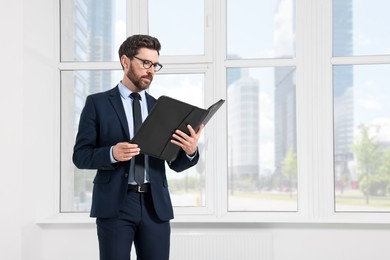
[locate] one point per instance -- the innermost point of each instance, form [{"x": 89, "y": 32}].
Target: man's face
[{"x": 134, "y": 72}]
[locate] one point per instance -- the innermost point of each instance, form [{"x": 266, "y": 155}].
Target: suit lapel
[
  {"x": 150, "y": 101},
  {"x": 115, "y": 99}
]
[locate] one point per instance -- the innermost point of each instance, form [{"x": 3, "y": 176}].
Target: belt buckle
[{"x": 139, "y": 189}]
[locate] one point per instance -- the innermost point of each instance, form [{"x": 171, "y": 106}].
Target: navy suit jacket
[{"x": 102, "y": 124}]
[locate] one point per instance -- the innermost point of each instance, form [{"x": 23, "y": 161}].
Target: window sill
[{"x": 239, "y": 218}]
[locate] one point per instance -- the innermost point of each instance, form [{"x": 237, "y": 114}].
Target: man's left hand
[{"x": 189, "y": 143}]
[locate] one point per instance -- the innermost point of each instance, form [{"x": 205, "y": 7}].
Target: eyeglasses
[{"x": 148, "y": 64}]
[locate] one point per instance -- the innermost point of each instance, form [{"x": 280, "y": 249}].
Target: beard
[{"x": 140, "y": 82}]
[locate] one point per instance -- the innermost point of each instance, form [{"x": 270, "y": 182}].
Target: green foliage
[
  {"x": 373, "y": 165},
  {"x": 289, "y": 165},
  {"x": 289, "y": 168},
  {"x": 384, "y": 167},
  {"x": 374, "y": 185}
]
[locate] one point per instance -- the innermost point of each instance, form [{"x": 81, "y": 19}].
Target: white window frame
[{"x": 314, "y": 110}]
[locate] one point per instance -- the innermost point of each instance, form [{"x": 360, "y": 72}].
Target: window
[
  {"x": 76, "y": 85},
  {"x": 88, "y": 47},
  {"x": 85, "y": 39},
  {"x": 92, "y": 30},
  {"x": 262, "y": 140},
  {"x": 361, "y": 118},
  {"x": 304, "y": 133},
  {"x": 262, "y": 150}
]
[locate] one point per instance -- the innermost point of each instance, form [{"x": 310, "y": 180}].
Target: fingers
[
  {"x": 201, "y": 127},
  {"x": 125, "y": 151},
  {"x": 188, "y": 143},
  {"x": 193, "y": 134}
]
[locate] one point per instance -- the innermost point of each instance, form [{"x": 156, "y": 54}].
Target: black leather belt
[{"x": 139, "y": 188}]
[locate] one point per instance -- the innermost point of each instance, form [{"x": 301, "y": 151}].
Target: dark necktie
[{"x": 139, "y": 165}]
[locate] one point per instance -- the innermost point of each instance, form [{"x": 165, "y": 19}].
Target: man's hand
[
  {"x": 124, "y": 151},
  {"x": 189, "y": 143}
]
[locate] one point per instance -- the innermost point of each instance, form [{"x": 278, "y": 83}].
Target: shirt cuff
[
  {"x": 192, "y": 157},
  {"x": 112, "y": 156}
]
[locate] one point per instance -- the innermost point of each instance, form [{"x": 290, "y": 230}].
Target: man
[{"x": 129, "y": 208}]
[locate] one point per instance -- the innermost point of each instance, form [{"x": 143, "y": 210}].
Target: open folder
[{"x": 168, "y": 114}]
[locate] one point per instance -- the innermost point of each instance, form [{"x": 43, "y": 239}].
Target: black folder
[{"x": 168, "y": 114}]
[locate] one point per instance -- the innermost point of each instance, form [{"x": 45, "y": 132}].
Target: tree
[
  {"x": 368, "y": 155},
  {"x": 384, "y": 168},
  {"x": 289, "y": 168}
]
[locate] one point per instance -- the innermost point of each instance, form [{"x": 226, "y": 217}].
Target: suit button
[{"x": 126, "y": 175}]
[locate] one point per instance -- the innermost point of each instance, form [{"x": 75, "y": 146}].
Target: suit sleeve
[
  {"x": 182, "y": 162},
  {"x": 86, "y": 153}
]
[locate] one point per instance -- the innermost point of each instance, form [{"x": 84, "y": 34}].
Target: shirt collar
[{"x": 125, "y": 92}]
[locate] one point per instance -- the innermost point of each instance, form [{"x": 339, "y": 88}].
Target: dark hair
[{"x": 133, "y": 43}]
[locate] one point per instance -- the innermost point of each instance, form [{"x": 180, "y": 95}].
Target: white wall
[
  {"x": 29, "y": 163},
  {"x": 11, "y": 135}
]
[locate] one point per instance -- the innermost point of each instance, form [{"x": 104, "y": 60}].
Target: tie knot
[{"x": 135, "y": 95}]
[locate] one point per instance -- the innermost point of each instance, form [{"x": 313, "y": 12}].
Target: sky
[
  {"x": 371, "y": 33},
  {"x": 371, "y": 36}
]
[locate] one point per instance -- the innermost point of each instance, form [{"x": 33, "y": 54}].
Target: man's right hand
[{"x": 124, "y": 151}]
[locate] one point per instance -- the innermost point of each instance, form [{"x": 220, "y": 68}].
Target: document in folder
[{"x": 168, "y": 114}]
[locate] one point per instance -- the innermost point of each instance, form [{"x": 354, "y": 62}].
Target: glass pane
[
  {"x": 266, "y": 28},
  {"x": 76, "y": 184},
  {"x": 362, "y": 137},
  {"x": 359, "y": 27},
  {"x": 92, "y": 30},
  {"x": 179, "y": 25},
  {"x": 186, "y": 188},
  {"x": 262, "y": 161}
]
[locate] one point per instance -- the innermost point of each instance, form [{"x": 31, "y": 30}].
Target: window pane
[
  {"x": 186, "y": 188},
  {"x": 179, "y": 25},
  {"x": 262, "y": 162},
  {"x": 362, "y": 137},
  {"x": 265, "y": 28},
  {"x": 76, "y": 185},
  {"x": 359, "y": 27},
  {"x": 92, "y": 30}
]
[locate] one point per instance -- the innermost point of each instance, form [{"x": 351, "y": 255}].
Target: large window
[
  {"x": 304, "y": 133},
  {"x": 361, "y": 108},
  {"x": 262, "y": 161}
]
